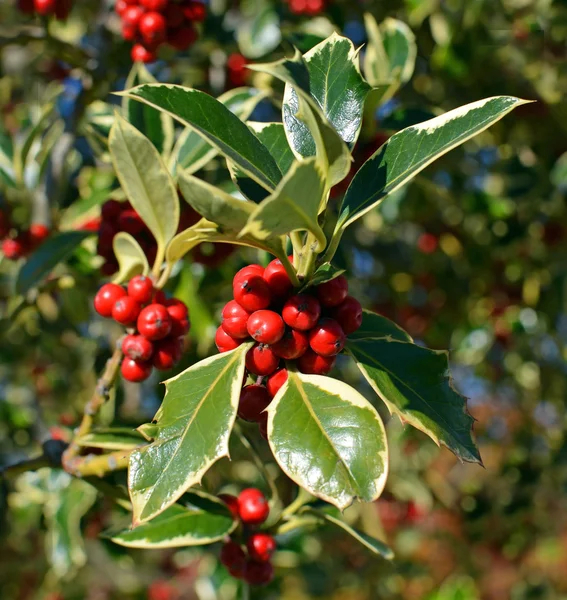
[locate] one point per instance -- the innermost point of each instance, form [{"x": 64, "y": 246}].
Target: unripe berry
[
  {"x": 107, "y": 297},
  {"x": 137, "y": 347},
  {"x": 233, "y": 557},
  {"x": 38, "y": 232},
  {"x": 327, "y": 338},
  {"x": 252, "y": 292},
  {"x": 167, "y": 353},
  {"x": 312, "y": 363},
  {"x": 266, "y": 326},
  {"x": 180, "y": 39},
  {"x": 126, "y": 310},
  {"x": 275, "y": 382},
  {"x": 348, "y": 315},
  {"x": 332, "y": 293},
  {"x": 277, "y": 278},
  {"x": 13, "y": 249},
  {"x": 232, "y": 503},
  {"x": 110, "y": 210},
  {"x": 293, "y": 344},
  {"x": 44, "y": 7},
  {"x": 261, "y": 360},
  {"x": 141, "y": 54},
  {"x": 234, "y": 320},
  {"x": 253, "y": 507},
  {"x": 301, "y": 312},
  {"x": 254, "y": 399},
  {"x": 261, "y": 546},
  {"x": 154, "y": 322},
  {"x": 154, "y": 5},
  {"x": 179, "y": 315},
  {"x": 133, "y": 370},
  {"x": 141, "y": 289},
  {"x": 153, "y": 27},
  {"x": 224, "y": 342},
  {"x": 258, "y": 573},
  {"x": 132, "y": 15}
]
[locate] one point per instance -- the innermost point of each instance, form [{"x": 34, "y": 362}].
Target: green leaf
[
  {"x": 53, "y": 251},
  {"x": 214, "y": 204},
  {"x": 7, "y": 174},
  {"x": 145, "y": 181},
  {"x": 112, "y": 438},
  {"x": 192, "y": 151},
  {"x": 216, "y": 124},
  {"x": 378, "y": 326},
  {"x": 154, "y": 124},
  {"x": 324, "y": 273},
  {"x": 328, "y": 439},
  {"x": 180, "y": 525},
  {"x": 259, "y": 33},
  {"x": 409, "y": 151},
  {"x": 374, "y": 545},
  {"x": 194, "y": 424},
  {"x": 272, "y": 135},
  {"x": 294, "y": 205},
  {"x": 414, "y": 383},
  {"x": 131, "y": 258}
]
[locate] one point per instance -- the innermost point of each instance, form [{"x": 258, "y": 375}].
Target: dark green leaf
[
  {"x": 272, "y": 135},
  {"x": 377, "y": 326}
]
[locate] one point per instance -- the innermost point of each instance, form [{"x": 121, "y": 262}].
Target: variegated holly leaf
[
  {"x": 328, "y": 439},
  {"x": 131, "y": 258},
  {"x": 324, "y": 273},
  {"x": 272, "y": 135},
  {"x": 112, "y": 438},
  {"x": 378, "y": 326},
  {"x": 193, "y": 427}
]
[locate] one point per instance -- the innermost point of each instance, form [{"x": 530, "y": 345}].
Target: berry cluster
[
  {"x": 60, "y": 9},
  {"x": 24, "y": 241},
  {"x": 151, "y": 23},
  {"x": 306, "y": 7},
  {"x": 253, "y": 564},
  {"x": 156, "y": 325}
]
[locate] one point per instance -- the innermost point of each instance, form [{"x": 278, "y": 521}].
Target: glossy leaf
[
  {"x": 324, "y": 273},
  {"x": 259, "y": 33},
  {"x": 294, "y": 206},
  {"x": 131, "y": 258},
  {"x": 378, "y": 326},
  {"x": 112, "y": 438},
  {"x": 145, "y": 181},
  {"x": 56, "y": 249},
  {"x": 7, "y": 174},
  {"x": 328, "y": 439},
  {"x": 180, "y": 525},
  {"x": 216, "y": 124},
  {"x": 193, "y": 428},
  {"x": 409, "y": 151},
  {"x": 272, "y": 135},
  {"x": 414, "y": 384}
]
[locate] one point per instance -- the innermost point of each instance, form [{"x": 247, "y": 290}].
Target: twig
[{"x": 97, "y": 464}]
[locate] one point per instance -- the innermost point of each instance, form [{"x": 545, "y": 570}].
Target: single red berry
[
  {"x": 348, "y": 315},
  {"x": 154, "y": 322},
  {"x": 427, "y": 243},
  {"x": 153, "y": 27},
  {"x": 162, "y": 590},
  {"x": 252, "y": 292},
  {"x": 167, "y": 353},
  {"x": 275, "y": 382},
  {"x": 258, "y": 573},
  {"x": 247, "y": 271},
  {"x": 62, "y": 9},
  {"x": 126, "y": 310},
  {"x": 141, "y": 54},
  {"x": 298, "y": 6},
  {"x": 26, "y": 6},
  {"x": 266, "y": 326},
  {"x": 44, "y": 7},
  {"x": 137, "y": 347},
  {"x": 110, "y": 210},
  {"x": 332, "y": 293},
  {"x": 232, "y": 503},
  {"x": 253, "y": 507},
  {"x": 196, "y": 11},
  {"x": 314, "y": 7},
  {"x": 134, "y": 370},
  {"x": 233, "y": 557},
  {"x": 13, "y": 249},
  {"x": 38, "y": 233},
  {"x": 261, "y": 546},
  {"x": 278, "y": 280},
  {"x": 155, "y": 5},
  {"x": 225, "y": 342},
  {"x": 327, "y": 338},
  {"x": 293, "y": 344},
  {"x": 234, "y": 320},
  {"x": 132, "y": 15},
  {"x": 107, "y": 297},
  {"x": 254, "y": 399},
  {"x": 180, "y": 39},
  {"x": 130, "y": 222},
  {"x": 174, "y": 16},
  {"x": 129, "y": 32},
  {"x": 179, "y": 314},
  {"x": 315, "y": 364},
  {"x": 301, "y": 312},
  {"x": 261, "y": 360},
  {"x": 141, "y": 289},
  {"x": 120, "y": 7}
]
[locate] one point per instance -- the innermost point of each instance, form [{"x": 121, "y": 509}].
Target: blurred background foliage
[{"x": 472, "y": 256}]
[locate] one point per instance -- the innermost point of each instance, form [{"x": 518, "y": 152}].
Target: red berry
[
  {"x": 62, "y": 9},
  {"x": 252, "y": 292},
  {"x": 132, "y": 15},
  {"x": 137, "y": 347},
  {"x": 160, "y": 297},
  {"x": 109, "y": 267},
  {"x": 315, "y": 364},
  {"x": 327, "y": 338},
  {"x": 110, "y": 210},
  {"x": 167, "y": 353},
  {"x": 107, "y": 297},
  {"x": 26, "y": 6},
  {"x": 298, "y": 6},
  {"x": 266, "y": 326},
  {"x": 196, "y": 11},
  {"x": 38, "y": 233},
  {"x": 13, "y": 249},
  {"x": 427, "y": 243},
  {"x": 130, "y": 222},
  {"x": 126, "y": 310},
  {"x": 332, "y": 293},
  {"x": 181, "y": 38},
  {"x": 141, "y": 289},
  {"x": 301, "y": 312},
  {"x": 44, "y": 7},
  {"x": 134, "y": 370},
  {"x": 175, "y": 18},
  {"x": 225, "y": 342},
  {"x": 293, "y": 344},
  {"x": 179, "y": 315},
  {"x": 120, "y": 7},
  {"x": 247, "y": 271},
  {"x": 258, "y": 573},
  {"x": 233, "y": 557},
  {"x": 277, "y": 278},
  {"x": 234, "y": 320},
  {"x": 276, "y": 381},
  {"x": 253, "y": 507},
  {"x": 154, "y": 322},
  {"x": 254, "y": 399},
  {"x": 155, "y": 5},
  {"x": 141, "y": 54},
  {"x": 232, "y": 503},
  {"x": 261, "y": 360},
  {"x": 348, "y": 315},
  {"x": 261, "y": 546},
  {"x": 129, "y": 32},
  {"x": 153, "y": 27},
  {"x": 314, "y": 7}
]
